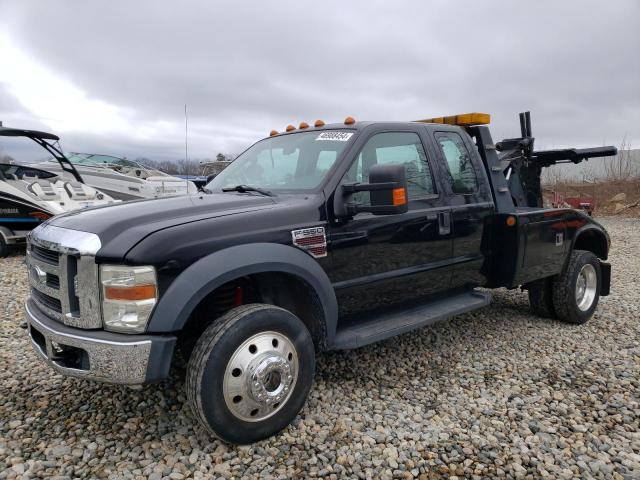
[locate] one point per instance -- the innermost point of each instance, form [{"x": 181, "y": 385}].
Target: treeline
[{"x": 182, "y": 167}]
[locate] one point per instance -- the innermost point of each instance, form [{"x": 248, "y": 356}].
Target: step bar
[{"x": 391, "y": 323}]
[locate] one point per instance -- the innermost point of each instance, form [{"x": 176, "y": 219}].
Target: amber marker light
[
  {"x": 349, "y": 121},
  {"x": 511, "y": 221},
  {"x": 273, "y": 133},
  {"x": 319, "y": 123},
  {"x": 399, "y": 196},
  {"x": 464, "y": 119},
  {"x": 136, "y": 292},
  {"x": 303, "y": 125},
  {"x": 290, "y": 128}
]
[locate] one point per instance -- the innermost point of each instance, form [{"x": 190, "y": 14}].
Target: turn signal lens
[
  {"x": 399, "y": 196},
  {"x": 319, "y": 123},
  {"x": 303, "y": 125},
  {"x": 273, "y": 132},
  {"x": 137, "y": 292},
  {"x": 290, "y": 128},
  {"x": 511, "y": 221},
  {"x": 349, "y": 121}
]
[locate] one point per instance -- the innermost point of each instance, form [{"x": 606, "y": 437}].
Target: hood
[{"x": 136, "y": 219}]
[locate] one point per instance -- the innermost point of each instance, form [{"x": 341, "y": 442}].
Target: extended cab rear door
[{"x": 469, "y": 196}]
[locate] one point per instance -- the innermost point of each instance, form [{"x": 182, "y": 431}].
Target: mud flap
[{"x": 605, "y": 273}]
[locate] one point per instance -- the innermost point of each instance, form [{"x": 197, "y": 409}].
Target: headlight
[{"x": 128, "y": 297}]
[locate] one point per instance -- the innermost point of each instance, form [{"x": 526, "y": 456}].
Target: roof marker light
[
  {"x": 273, "y": 132},
  {"x": 319, "y": 123},
  {"x": 290, "y": 128},
  {"x": 303, "y": 125},
  {"x": 463, "y": 120},
  {"x": 349, "y": 121}
]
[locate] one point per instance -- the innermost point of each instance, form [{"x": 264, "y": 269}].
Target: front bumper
[{"x": 99, "y": 355}]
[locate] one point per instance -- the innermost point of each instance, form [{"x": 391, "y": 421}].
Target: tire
[
  {"x": 566, "y": 289},
  {"x": 264, "y": 343},
  {"x": 541, "y": 298},
  {"x": 4, "y": 248}
]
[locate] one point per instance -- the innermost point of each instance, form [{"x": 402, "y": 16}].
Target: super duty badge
[{"x": 313, "y": 240}]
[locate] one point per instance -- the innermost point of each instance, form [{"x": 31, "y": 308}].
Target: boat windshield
[
  {"x": 295, "y": 162},
  {"x": 92, "y": 160}
]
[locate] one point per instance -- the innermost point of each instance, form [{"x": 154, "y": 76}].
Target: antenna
[
  {"x": 186, "y": 145},
  {"x": 186, "y": 131}
]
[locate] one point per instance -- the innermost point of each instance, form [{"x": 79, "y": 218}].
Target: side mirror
[{"x": 388, "y": 192}]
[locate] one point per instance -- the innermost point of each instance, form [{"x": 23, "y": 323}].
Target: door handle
[{"x": 444, "y": 223}]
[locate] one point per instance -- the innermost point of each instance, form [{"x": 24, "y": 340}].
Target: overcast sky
[{"x": 113, "y": 76}]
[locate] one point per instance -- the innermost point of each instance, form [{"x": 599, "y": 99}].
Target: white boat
[
  {"x": 121, "y": 178},
  {"x": 30, "y": 195}
]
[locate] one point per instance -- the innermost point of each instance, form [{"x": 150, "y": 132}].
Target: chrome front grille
[
  {"x": 64, "y": 276},
  {"x": 53, "y": 281},
  {"x": 47, "y": 301},
  {"x": 45, "y": 255}
]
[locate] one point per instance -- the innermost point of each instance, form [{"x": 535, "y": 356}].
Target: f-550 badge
[{"x": 313, "y": 240}]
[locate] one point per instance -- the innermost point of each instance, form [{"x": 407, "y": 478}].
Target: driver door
[{"x": 378, "y": 260}]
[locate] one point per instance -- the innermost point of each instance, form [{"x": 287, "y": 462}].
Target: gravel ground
[{"x": 497, "y": 392}]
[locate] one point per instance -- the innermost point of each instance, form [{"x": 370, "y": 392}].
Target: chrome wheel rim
[
  {"x": 260, "y": 376},
  {"x": 586, "y": 287}
]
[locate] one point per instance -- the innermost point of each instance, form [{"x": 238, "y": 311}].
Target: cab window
[
  {"x": 389, "y": 148},
  {"x": 462, "y": 174}
]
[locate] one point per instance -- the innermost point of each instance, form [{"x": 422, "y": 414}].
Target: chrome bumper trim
[{"x": 110, "y": 361}]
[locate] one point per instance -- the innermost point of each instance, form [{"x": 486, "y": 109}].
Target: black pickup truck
[{"x": 321, "y": 237}]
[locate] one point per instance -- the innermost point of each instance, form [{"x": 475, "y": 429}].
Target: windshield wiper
[{"x": 247, "y": 188}]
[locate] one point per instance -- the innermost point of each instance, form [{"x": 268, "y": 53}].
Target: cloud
[{"x": 114, "y": 76}]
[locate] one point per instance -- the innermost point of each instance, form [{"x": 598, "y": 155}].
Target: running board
[{"x": 402, "y": 320}]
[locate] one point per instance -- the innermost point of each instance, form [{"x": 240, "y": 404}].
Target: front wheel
[
  {"x": 250, "y": 373},
  {"x": 576, "y": 291}
]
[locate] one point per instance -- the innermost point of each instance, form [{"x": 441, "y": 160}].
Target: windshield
[
  {"x": 289, "y": 162},
  {"x": 99, "y": 160}
]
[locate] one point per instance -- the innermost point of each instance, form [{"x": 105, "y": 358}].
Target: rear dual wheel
[
  {"x": 250, "y": 373},
  {"x": 576, "y": 291},
  {"x": 571, "y": 296}
]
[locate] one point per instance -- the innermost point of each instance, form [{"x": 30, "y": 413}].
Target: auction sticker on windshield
[{"x": 335, "y": 136}]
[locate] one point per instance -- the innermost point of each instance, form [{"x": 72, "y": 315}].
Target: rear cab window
[{"x": 462, "y": 174}]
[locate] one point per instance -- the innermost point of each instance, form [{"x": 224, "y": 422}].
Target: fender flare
[
  {"x": 599, "y": 233},
  {"x": 202, "y": 277}
]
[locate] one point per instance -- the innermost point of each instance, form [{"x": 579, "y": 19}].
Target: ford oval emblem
[{"x": 39, "y": 275}]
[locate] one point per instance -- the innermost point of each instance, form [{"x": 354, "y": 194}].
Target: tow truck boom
[{"x": 522, "y": 165}]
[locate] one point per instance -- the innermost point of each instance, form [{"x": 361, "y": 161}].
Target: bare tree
[
  {"x": 553, "y": 177},
  {"x": 622, "y": 167},
  {"x": 188, "y": 167}
]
